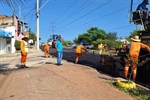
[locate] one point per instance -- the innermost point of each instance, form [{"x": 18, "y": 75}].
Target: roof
[
  {"x": 5, "y": 34},
  {"x": 22, "y": 22}
]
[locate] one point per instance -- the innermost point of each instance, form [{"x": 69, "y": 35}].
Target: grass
[{"x": 138, "y": 93}]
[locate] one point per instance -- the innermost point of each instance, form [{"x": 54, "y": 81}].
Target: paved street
[{"x": 46, "y": 81}]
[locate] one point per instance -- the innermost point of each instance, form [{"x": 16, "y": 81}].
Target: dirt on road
[{"x": 51, "y": 82}]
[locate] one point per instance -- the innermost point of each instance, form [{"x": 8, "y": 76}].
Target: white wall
[
  {"x": 12, "y": 30},
  {"x": 2, "y": 45}
]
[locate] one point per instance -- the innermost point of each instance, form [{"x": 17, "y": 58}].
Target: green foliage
[
  {"x": 75, "y": 40},
  {"x": 95, "y": 35},
  {"x": 32, "y": 35},
  {"x": 112, "y": 36},
  {"x": 85, "y": 38},
  {"x": 132, "y": 34},
  {"x": 66, "y": 42},
  {"x": 17, "y": 45}
]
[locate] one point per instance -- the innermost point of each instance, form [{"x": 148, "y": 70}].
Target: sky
[{"x": 69, "y": 18}]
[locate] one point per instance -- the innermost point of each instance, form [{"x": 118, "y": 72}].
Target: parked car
[
  {"x": 74, "y": 46},
  {"x": 89, "y": 46},
  {"x": 68, "y": 45}
]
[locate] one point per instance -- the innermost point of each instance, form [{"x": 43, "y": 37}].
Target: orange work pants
[
  {"x": 46, "y": 52},
  {"x": 77, "y": 56},
  {"x": 23, "y": 58},
  {"x": 131, "y": 62}
]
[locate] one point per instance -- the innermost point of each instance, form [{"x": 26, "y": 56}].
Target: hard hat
[{"x": 81, "y": 43}]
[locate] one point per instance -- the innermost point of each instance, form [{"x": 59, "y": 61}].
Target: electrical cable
[
  {"x": 65, "y": 11},
  {"x": 103, "y": 16},
  {"x": 31, "y": 17},
  {"x": 77, "y": 10},
  {"x": 86, "y": 14}
]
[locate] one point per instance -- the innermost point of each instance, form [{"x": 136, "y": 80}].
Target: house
[
  {"x": 11, "y": 29},
  {"x": 7, "y": 40}
]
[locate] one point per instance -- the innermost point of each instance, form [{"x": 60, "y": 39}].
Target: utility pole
[
  {"x": 37, "y": 24},
  {"x": 37, "y": 21}
]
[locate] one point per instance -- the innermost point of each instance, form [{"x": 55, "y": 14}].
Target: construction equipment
[{"x": 117, "y": 62}]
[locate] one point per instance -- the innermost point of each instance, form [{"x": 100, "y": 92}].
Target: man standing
[
  {"x": 46, "y": 50},
  {"x": 59, "y": 49},
  {"x": 79, "y": 52},
  {"x": 24, "y": 51},
  {"x": 100, "y": 47},
  {"x": 134, "y": 50}
]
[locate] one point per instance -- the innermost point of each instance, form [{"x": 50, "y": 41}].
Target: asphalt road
[
  {"x": 69, "y": 55},
  {"x": 92, "y": 61}
]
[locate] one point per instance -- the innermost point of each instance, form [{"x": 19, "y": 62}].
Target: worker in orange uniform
[
  {"x": 134, "y": 50},
  {"x": 79, "y": 52},
  {"x": 46, "y": 50},
  {"x": 24, "y": 51}
]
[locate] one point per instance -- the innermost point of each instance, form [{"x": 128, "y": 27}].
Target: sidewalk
[
  {"x": 12, "y": 61},
  {"x": 47, "y": 81}
]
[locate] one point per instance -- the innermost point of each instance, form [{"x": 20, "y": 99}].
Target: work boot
[
  {"x": 126, "y": 77},
  {"x": 26, "y": 66},
  {"x": 133, "y": 79},
  {"x": 22, "y": 66}
]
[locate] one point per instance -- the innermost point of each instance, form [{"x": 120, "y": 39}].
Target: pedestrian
[
  {"x": 24, "y": 51},
  {"x": 134, "y": 50},
  {"x": 46, "y": 50},
  {"x": 79, "y": 52},
  {"x": 59, "y": 49},
  {"x": 100, "y": 47}
]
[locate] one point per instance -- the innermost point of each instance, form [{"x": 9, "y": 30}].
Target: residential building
[{"x": 11, "y": 29}]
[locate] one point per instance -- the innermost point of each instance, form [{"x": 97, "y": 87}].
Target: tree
[
  {"x": 91, "y": 35},
  {"x": 85, "y": 38},
  {"x": 112, "y": 36},
  {"x": 96, "y": 33},
  {"x": 67, "y": 42},
  {"x": 132, "y": 34},
  {"x": 32, "y": 35}
]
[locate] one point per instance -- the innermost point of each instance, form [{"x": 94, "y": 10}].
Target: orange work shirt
[
  {"x": 24, "y": 46},
  {"x": 79, "y": 49},
  {"x": 135, "y": 48},
  {"x": 46, "y": 46}
]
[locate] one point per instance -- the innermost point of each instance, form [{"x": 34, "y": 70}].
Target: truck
[
  {"x": 53, "y": 38},
  {"x": 114, "y": 64}
]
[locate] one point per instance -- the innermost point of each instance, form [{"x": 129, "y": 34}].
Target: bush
[{"x": 17, "y": 45}]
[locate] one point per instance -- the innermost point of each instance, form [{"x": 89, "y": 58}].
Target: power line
[
  {"x": 102, "y": 17},
  {"x": 65, "y": 10},
  {"x": 78, "y": 9},
  {"x": 27, "y": 14},
  {"x": 86, "y": 14},
  {"x": 31, "y": 17}
]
